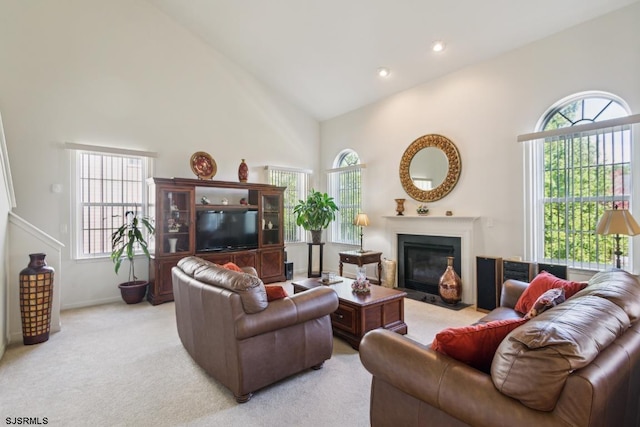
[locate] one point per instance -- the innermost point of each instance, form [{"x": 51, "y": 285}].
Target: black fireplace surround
[{"x": 423, "y": 259}]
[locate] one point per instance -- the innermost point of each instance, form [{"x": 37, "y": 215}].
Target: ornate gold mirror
[{"x": 430, "y": 168}]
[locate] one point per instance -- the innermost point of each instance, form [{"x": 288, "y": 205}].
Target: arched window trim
[{"x": 559, "y": 105}]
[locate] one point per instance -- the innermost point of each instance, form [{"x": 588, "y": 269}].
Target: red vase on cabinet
[{"x": 243, "y": 172}]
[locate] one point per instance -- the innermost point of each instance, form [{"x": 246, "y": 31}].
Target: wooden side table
[
  {"x": 360, "y": 259},
  {"x": 310, "y": 272}
]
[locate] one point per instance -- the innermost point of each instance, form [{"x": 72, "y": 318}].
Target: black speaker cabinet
[
  {"x": 555, "y": 269},
  {"x": 288, "y": 270},
  {"x": 518, "y": 270},
  {"x": 488, "y": 282}
]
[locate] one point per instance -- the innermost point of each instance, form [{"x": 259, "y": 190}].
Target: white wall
[
  {"x": 120, "y": 73},
  {"x": 482, "y": 109}
]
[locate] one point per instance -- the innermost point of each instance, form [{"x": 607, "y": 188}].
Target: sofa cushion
[
  {"x": 547, "y": 300},
  {"x": 249, "y": 287},
  {"x": 542, "y": 283},
  {"x": 618, "y": 286},
  {"x": 533, "y": 362},
  {"x": 191, "y": 263},
  {"x": 275, "y": 292},
  {"x": 475, "y": 345}
]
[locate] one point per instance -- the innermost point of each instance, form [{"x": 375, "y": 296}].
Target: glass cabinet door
[
  {"x": 175, "y": 221},
  {"x": 271, "y": 218}
]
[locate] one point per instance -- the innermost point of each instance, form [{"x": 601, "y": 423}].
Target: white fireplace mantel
[{"x": 463, "y": 227}]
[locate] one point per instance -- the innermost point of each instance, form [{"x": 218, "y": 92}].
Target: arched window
[
  {"x": 345, "y": 186},
  {"x": 579, "y": 165}
]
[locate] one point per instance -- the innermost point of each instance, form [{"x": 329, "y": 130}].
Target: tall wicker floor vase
[{"x": 36, "y": 298}]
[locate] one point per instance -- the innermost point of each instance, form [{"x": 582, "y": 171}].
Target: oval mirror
[{"x": 430, "y": 168}]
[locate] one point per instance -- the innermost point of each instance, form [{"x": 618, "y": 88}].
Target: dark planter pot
[
  {"x": 316, "y": 236},
  {"x": 133, "y": 292}
]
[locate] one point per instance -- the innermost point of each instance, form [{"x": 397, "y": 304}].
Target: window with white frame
[
  {"x": 107, "y": 186},
  {"x": 345, "y": 186},
  {"x": 579, "y": 164},
  {"x": 297, "y": 183}
]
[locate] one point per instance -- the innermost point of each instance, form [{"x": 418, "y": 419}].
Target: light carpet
[{"x": 124, "y": 365}]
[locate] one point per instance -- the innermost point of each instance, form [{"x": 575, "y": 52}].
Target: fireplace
[
  {"x": 422, "y": 259},
  {"x": 462, "y": 228}
]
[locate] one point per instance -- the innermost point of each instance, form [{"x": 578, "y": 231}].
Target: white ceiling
[{"x": 323, "y": 54}]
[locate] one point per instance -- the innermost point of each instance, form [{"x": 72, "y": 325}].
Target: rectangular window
[
  {"x": 107, "y": 186},
  {"x": 578, "y": 173},
  {"x": 297, "y": 183},
  {"x": 345, "y": 186}
]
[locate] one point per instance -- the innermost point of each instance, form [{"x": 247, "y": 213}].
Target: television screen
[{"x": 226, "y": 230}]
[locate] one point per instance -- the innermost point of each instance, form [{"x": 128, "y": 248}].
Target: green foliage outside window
[{"x": 581, "y": 181}]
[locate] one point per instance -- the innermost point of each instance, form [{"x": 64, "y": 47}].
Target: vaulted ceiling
[{"x": 323, "y": 55}]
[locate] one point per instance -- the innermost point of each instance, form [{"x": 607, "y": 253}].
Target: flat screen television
[{"x": 218, "y": 230}]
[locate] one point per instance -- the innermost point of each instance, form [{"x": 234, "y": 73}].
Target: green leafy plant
[
  {"x": 316, "y": 212},
  {"x": 127, "y": 238}
]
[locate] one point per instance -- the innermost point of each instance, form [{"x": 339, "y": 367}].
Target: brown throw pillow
[{"x": 547, "y": 300}]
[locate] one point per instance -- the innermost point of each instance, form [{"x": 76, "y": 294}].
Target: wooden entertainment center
[{"x": 178, "y": 207}]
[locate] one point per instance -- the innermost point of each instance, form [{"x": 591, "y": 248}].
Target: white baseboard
[{"x": 90, "y": 303}]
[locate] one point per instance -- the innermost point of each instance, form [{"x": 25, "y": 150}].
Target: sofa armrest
[
  {"x": 298, "y": 308},
  {"x": 315, "y": 302},
  {"x": 511, "y": 291},
  {"x": 409, "y": 366},
  {"x": 440, "y": 381}
]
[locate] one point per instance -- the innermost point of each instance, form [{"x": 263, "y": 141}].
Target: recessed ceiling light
[
  {"x": 383, "y": 72},
  {"x": 437, "y": 46}
]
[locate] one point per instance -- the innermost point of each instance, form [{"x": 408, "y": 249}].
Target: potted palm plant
[
  {"x": 315, "y": 213},
  {"x": 124, "y": 242}
]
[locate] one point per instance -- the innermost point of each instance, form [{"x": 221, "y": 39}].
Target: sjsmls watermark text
[{"x": 33, "y": 421}]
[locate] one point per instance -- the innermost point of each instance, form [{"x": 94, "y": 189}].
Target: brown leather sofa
[
  {"x": 577, "y": 364},
  {"x": 245, "y": 342}
]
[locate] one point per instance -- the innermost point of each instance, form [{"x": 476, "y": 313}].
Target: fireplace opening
[{"x": 423, "y": 259}]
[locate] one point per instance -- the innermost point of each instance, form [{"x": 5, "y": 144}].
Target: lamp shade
[
  {"x": 618, "y": 221},
  {"x": 362, "y": 220}
]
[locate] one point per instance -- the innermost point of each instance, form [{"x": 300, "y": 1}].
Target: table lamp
[
  {"x": 617, "y": 221},
  {"x": 362, "y": 220}
]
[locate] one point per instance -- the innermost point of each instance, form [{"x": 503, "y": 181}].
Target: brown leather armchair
[{"x": 245, "y": 342}]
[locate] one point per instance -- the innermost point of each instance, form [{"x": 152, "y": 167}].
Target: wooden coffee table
[{"x": 357, "y": 314}]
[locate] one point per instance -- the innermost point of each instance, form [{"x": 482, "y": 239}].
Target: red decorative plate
[{"x": 203, "y": 165}]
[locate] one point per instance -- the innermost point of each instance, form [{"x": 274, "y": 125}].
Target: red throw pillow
[
  {"x": 475, "y": 345},
  {"x": 275, "y": 292},
  {"x": 542, "y": 283},
  {"x": 232, "y": 266}
]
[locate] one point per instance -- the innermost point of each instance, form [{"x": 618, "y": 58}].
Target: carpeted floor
[{"x": 121, "y": 365}]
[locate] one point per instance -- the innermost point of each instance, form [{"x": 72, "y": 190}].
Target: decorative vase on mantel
[
  {"x": 400, "y": 207},
  {"x": 450, "y": 285},
  {"x": 243, "y": 172},
  {"x": 36, "y": 298}
]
